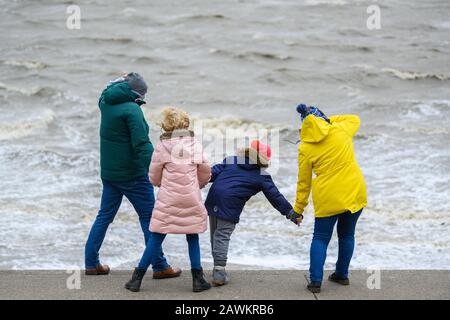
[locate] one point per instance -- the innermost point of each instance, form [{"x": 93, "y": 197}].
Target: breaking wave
[
  {"x": 12, "y": 130},
  {"x": 400, "y": 74},
  {"x": 412, "y": 75},
  {"x": 325, "y": 2},
  {"x": 33, "y": 91},
  {"x": 27, "y": 64}
]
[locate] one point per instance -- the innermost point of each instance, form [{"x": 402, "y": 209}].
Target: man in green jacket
[{"x": 125, "y": 155}]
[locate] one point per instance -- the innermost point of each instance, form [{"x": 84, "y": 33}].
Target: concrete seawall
[{"x": 251, "y": 285}]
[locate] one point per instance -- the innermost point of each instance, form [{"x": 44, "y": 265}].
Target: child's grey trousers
[{"x": 221, "y": 231}]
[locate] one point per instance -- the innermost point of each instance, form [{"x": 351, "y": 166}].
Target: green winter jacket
[{"x": 125, "y": 148}]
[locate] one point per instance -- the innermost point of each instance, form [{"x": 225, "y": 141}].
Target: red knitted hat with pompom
[{"x": 263, "y": 150}]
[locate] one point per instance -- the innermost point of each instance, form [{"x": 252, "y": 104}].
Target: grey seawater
[{"x": 241, "y": 65}]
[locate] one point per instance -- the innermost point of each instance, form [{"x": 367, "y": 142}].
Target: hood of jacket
[
  {"x": 177, "y": 134},
  {"x": 118, "y": 93},
  {"x": 181, "y": 147},
  {"x": 314, "y": 129}
]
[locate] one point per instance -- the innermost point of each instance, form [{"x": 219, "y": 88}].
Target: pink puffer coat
[{"x": 180, "y": 169}]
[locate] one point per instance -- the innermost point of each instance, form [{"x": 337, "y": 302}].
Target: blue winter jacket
[{"x": 234, "y": 182}]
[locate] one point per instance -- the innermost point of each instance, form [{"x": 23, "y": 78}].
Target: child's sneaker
[{"x": 220, "y": 277}]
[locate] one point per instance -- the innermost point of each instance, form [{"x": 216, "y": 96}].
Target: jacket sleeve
[
  {"x": 303, "y": 182},
  {"x": 156, "y": 167},
  {"x": 203, "y": 169},
  {"x": 139, "y": 136},
  {"x": 101, "y": 97},
  {"x": 276, "y": 199},
  {"x": 350, "y": 123},
  {"x": 204, "y": 174},
  {"x": 216, "y": 170}
]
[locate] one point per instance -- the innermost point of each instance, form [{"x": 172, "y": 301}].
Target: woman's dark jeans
[{"x": 323, "y": 230}]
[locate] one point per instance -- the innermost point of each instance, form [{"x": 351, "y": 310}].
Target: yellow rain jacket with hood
[{"x": 327, "y": 150}]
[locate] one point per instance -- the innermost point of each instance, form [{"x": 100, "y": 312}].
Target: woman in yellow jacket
[{"x": 338, "y": 189}]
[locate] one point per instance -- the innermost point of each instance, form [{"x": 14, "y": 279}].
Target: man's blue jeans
[
  {"x": 153, "y": 250},
  {"x": 141, "y": 195},
  {"x": 323, "y": 230}
]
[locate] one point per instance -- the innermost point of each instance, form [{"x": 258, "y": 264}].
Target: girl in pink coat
[{"x": 180, "y": 169}]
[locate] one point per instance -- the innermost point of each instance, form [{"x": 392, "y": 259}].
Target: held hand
[{"x": 295, "y": 217}]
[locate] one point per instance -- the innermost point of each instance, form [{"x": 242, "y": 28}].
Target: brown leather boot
[
  {"x": 168, "y": 273},
  {"x": 97, "y": 271}
]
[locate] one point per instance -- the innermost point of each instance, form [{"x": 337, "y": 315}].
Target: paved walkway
[{"x": 252, "y": 285}]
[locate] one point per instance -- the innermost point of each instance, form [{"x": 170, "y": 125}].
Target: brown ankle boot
[
  {"x": 168, "y": 273},
  {"x": 97, "y": 271}
]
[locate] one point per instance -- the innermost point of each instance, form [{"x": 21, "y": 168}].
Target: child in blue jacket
[{"x": 234, "y": 182}]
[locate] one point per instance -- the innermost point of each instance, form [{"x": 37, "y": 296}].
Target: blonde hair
[{"x": 174, "y": 119}]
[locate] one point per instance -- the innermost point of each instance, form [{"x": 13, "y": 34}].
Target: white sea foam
[
  {"x": 27, "y": 64},
  {"x": 326, "y": 2},
  {"x": 227, "y": 126},
  {"x": 413, "y": 75},
  {"x": 129, "y": 11},
  {"x": 402, "y": 74},
  {"x": 33, "y": 91},
  {"x": 444, "y": 24},
  {"x": 18, "y": 128}
]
